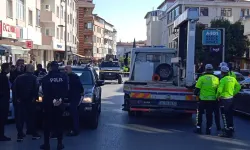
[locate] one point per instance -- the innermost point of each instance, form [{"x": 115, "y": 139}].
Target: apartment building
[
  {"x": 126, "y": 47},
  {"x": 110, "y": 34},
  {"x": 85, "y": 27},
  {"x": 154, "y": 28},
  {"x": 20, "y": 31},
  {"x": 55, "y": 23},
  {"x": 98, "y": 36},
  {"x": 208, "y": 10},
  {"x": 162, "y": 16}
]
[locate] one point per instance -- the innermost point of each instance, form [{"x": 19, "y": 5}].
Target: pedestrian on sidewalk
[
  {"x": 206, "y": 87},
  {"x": 55, "y": 90},
  {"x": 4, "y": 99},
  {"x": 228, "y": 87},
  {"x": 74, "y": 95},
  {"x": 26, "y": 92}
]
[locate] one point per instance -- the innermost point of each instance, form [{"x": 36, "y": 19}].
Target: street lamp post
[{"x": 66, "y": 28}]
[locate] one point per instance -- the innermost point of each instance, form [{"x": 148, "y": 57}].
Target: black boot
[
  {"x": 197, "y": 130},
  {"x": 226, "y": 133},
  {"x": 60, "y": 146},
  {"x": 45, "y": 147},
  {"x": 208, "y": 131}
]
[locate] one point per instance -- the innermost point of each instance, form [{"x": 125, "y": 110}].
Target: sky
[{"x": 127, "y": 16}]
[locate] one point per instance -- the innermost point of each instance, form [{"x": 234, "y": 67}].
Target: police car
[{"x": 90, "y": 103}]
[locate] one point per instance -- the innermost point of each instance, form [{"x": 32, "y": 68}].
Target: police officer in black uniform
[{"x": 55, "y": 89}]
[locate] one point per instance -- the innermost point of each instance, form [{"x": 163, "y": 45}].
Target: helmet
[
  {"x": 209, "y": 67},
  {"x": 223, "y": 64},
  {"x": 224, "y": 69}
]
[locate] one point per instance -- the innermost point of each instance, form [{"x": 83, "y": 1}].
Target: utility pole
[{"x": 66, "y": 31}]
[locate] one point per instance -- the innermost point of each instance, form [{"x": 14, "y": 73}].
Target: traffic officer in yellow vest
[
  {"x": 228, "y": 87},
  {"x": 206, "y": 88}
]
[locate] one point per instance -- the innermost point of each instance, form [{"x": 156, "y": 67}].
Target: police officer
[
  {"x": 55, "y": 89},
  {"x": 74, "y": 95},
  {"x": 4, "y": 99},
  {"x": 228, "y": 87},
  {"x": 26, "y": 90},
  {"x": 206, "y": 87}
]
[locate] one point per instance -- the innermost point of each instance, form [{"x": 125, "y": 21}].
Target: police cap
[
  {"x": 223, "y": 64},
  {"x": 224, "y": 69},
  {"x": 209, "y": 67}
]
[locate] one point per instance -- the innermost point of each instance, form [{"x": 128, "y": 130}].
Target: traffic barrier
[
  {"x": 140, "y": 95},
  {"x": 114, "y": 72}
]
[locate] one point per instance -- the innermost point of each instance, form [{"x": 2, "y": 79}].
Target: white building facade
[
  {"x": 109, "y": 39},
  {"x": 154, "y": 26},
  {"x": 20, "y": 30},
  {"x": 208, "y": 10},
  {"x": 53, "y": 17}
]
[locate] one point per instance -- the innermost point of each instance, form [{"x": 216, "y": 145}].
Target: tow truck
[{"x": 162, "y": 79}]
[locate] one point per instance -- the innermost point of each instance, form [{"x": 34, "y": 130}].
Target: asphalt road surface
[{"x": 117, "y": 131}]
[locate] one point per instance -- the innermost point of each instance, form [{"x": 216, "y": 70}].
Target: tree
[
  {"x": 236, "y": 43},
  {"x": 200, "y": 52}
]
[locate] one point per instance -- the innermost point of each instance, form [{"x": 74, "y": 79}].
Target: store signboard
[{"x": 7, "y": 30}]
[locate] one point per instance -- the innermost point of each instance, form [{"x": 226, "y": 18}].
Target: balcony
[
  {"x": 47, "y": 16},
  {"x": 47, "y": 40}
]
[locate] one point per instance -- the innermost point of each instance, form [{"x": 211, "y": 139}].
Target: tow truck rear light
[{"x": 191, "y": 97}]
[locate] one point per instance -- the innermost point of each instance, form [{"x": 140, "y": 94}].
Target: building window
[
  {"x": 61, "y": 12},
  {"x": 226, "y": 12},
  {"x": 73, "y": 5},
  {"x": 9, "y": 8},
  {"x": 88, "y": 26},
  {"x": 20, "y": 9},
  {"x": 203, "y": 11},
  {"x": 71, "y": 18},
  {"x": 244, "y": 12},
  {"x": 30, "y": 18},
  {"x": 57, "y": 33},
  {"x": 57, "y": 11},
  {"x": 86, "y": 38},
  {"x": 47, "y": 32},
  {"x": 61, "y": 33},
  {"x": 37, "y": 17}
]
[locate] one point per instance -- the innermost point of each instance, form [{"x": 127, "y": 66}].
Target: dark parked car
[
  {"x": 245, "y": 72},
  {"x": 242, "y": 102},
  {"x": 245, "y": 83},
  {"x": 90, "y": 104},
  {"x": 239, "y": 76}
]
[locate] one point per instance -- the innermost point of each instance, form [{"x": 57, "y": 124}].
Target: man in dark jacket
[
  {"x": 19, "y": 70},
  {"x": 74, "y": 95},
  {"x": 26, "y": 90},
  {"x": 55, "y": 89},
  {"x": 4, "y": 99},
  {"x": 40, "y": 72}
]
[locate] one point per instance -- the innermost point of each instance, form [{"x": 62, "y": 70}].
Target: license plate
[
  {"x": 66, "y": 114},
  {"x": 168, "y": 103}
]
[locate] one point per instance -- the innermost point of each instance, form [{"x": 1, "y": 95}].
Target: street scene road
[{"x": 117, "y": 131}]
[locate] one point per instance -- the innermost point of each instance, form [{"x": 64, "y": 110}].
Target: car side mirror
[{"x": 100, "y": 82}]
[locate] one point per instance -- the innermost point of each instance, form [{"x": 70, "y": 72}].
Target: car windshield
[
  {"x": 85, "y": 75},
  {"x": 109, "y": 64}
]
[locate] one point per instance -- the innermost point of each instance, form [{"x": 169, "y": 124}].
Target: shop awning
[
  {"x": 14, "y": 49},
  {"x": 79, "y": 55}
]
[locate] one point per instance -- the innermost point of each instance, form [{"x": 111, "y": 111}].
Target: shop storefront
[{"x": 13, "y": 49}]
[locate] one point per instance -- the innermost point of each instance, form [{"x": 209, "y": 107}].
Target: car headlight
[
  {"x": 40, "y": 99},
  {"x": 87, "y": 98}
]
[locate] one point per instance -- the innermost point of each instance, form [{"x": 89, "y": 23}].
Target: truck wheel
[
  {"x": 131, "y": 113},
  {"x": 119, "y": 79}
]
